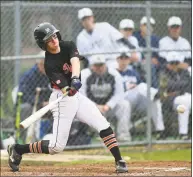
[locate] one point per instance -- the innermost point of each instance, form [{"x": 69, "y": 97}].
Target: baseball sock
[
  {"x": 37, "y": 147},
  {"x": 110, "y": 141}
]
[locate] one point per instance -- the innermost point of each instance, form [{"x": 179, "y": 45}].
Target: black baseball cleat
[
  {"x": 14, "y": 158},
  {"x": 121, "y": 166}
]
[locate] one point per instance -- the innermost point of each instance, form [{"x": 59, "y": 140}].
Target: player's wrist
[
  {"x": 74, "y": 77},
  {"x": 106, "y": 107},
  {"x": 75, "y": 82}
]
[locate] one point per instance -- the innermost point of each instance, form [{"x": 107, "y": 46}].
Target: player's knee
[
  {"x": 106, "y": 132},
  {"x": 56, "y": 149},
  {"x": 183, "y": 100}
]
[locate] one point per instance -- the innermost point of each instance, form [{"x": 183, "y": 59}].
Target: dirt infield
[{"x": 101, "y": 169}]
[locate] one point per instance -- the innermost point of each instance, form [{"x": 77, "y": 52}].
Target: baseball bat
[
  {"x": 18, "y": 116},
  {"x": 31, "y": 130},
  {"x": 37, "y": 115}
]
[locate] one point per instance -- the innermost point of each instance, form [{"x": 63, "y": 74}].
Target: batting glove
[
  {"x": 75, "y": 83},
  {"x": 71, "y": 91}
]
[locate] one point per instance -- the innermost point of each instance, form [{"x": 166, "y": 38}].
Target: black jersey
[{"x": 58, "y": 67}]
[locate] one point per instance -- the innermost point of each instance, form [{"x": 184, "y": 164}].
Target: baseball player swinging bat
[
  {"x": 62, "y": 66},
  {"x": 37, "y": 115}
]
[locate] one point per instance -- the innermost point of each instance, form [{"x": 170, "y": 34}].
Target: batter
[{"x": 62, "y": 66}]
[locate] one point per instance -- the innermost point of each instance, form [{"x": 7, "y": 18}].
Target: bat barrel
[{"x": 37, "y": 115}]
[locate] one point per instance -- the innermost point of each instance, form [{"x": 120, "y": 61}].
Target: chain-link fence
[{"x": 18, "y": 20}]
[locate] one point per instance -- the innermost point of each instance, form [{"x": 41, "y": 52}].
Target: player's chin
[{"x": 55, "y": 46}]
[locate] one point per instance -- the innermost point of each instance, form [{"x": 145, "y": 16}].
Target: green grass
[
  {"x": 170, "y": 155},
  {"x": 160, "y": 152}
]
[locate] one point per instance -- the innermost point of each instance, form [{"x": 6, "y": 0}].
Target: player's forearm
[
  {"x": 118, "y": 95},
  {"x": 75, "y": 66}
]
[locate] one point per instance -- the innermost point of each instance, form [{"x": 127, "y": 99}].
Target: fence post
[
  {"x": 148, "y": 70},
  {"x": 17, "y": 16}
]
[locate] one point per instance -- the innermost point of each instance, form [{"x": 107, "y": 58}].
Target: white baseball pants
[
  {"x": 183, "y": 118},
  {"x": 138, "y": 99},
  {"x": 121, "y": 111},
  {"x": 77, "y": 106}
]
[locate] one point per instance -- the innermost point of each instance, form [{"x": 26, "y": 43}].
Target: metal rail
[
  {"x": 99, "y": 5},
  {"x": 24, "y": 57}
]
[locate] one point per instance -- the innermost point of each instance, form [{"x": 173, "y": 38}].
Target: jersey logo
[
  {"x": 47, "y": 30},
  {"x": 101, "y": 91},
  {"x": 58, "y": 82},
  {"x": 67, "y": 68}
]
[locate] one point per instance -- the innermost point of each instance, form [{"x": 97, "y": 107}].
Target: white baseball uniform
[
  {"x": 137, "y": 97},
  {"x": 103, "y": 39},
  {"x": 181, "y": 44},
  {"x": 167, "y": 43},
  {"x": 183, "y": 118}
]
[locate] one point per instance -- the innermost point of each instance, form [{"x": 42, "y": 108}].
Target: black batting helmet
[{"x": 43, "y": 31}]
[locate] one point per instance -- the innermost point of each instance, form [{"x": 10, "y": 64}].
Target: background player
[
  {"x": 126, "y": 27},
  {"x": 174, "y": 41},
  {"x": 141, "y": 37},
  {"x": 104, "y": 87},
  {"x": 62, "y": 67},
  {"x": 136, "y": 93},
  {"x": 175, "y": 89},
  {"x": 99, "y": 37}
]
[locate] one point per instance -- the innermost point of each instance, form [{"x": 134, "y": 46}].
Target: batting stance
[{"x": 62, "y": 66}]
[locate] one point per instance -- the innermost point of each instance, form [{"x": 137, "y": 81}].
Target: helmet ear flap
[
  {"x": 41, "y": 44},
  {"x": 59, "y": 36}
]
